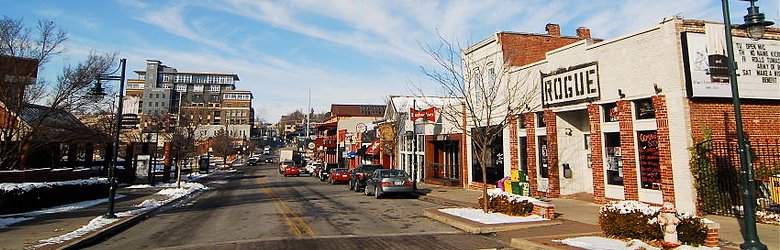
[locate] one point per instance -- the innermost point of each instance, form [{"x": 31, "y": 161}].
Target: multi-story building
[{"x": 187, "y": 97}]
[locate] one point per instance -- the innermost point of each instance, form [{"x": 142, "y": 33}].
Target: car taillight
[
  {"x": 408, "y": 183},
  {"x": 386, "y": 183}
]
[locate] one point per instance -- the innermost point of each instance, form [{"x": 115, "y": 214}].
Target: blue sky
[{"x": 344, "y": 51}]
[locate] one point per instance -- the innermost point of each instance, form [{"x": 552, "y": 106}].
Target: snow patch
[
  {"x": 27, "y": 186},
  {"x": 602, "y": 243},
  {"x": 140, "y": 186},
  {"x": 497, "y": 192},
  {"x": 478, "y": 215}
]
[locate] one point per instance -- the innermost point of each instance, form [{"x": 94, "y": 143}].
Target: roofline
[{"x": 235, "y": 75}]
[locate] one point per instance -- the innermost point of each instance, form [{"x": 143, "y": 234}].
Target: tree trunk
[{"x": 485, "y": 205}]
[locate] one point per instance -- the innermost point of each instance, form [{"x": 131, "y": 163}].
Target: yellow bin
[
  {"x": 774, "y": 188},
  {"x": 508, "y": 185}
]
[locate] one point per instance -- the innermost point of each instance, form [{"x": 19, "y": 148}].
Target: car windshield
[
  {"x": 341, "y": 170},
  {"x": 370, "y": 168},
  {"x": 393, "y": 174}
]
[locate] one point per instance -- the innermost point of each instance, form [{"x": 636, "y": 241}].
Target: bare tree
[
  {"x": 27, "y": 125},
  {"x": 492, "y": 95},
  {"x": 222, "y": 143}
]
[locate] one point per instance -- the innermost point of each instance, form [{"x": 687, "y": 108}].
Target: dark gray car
[{"x": 389, "y": 181}]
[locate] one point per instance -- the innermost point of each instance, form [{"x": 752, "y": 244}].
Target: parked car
[
  {"x": 389, "y": 181},
  {"x": 252, "y": 161},
  {"x": 338, "y": 175},
  {"x": 360, "y": 175},
  {"x": 292, "y": 170},
  {"x": 310, "y": 167},
  {"x": 285, "y": 164},
  {"x": 323, "y": 174}
]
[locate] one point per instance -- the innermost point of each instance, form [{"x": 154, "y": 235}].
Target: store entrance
[{"x": 573, "y": 137}]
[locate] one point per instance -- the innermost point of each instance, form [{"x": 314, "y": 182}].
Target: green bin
[{"x": 516, "y": 189}]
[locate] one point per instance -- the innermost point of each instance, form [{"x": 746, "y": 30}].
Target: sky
[{"x": 340, "y": 51}]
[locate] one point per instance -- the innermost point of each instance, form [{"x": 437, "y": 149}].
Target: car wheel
[
  {"x": 377, "y": 194},
  {"x": 357, "y": 187},
  {"x": 366, "y": 192}
]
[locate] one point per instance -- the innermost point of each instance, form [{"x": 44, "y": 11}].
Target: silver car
[{"x": 389, "y": 181}]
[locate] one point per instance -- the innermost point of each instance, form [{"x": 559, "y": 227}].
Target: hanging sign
[{"x": 425, "y": 114}]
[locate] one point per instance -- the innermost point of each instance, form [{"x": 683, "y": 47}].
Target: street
[{"x": 258, "y": 208}]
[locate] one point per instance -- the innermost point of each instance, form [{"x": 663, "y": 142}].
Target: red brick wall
[
  {"x": 627, "y": 148},
  {"x": 530, "y": 124},
  {"x": 522, "y": 49},
  {"x": 760, "y": 118},
  {"x": 594, "y": 118},
  {"x": 664, "y": 149},
  {"x": 552, "y": 154},
  {"x": 513, "y": 156}
]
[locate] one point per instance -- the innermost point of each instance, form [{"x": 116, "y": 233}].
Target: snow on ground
[
  {"x": 149, "y": 204},
  {"x": 27, "y": 186},
  {"x": 602, "y": 243},
  {"x": 142, "y": 186},
  {"x": 477, "y": 215},
  {"x": 497, "y": 192},
  {"x": 9, "y": 219}
]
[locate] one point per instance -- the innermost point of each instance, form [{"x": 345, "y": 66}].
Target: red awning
[{"x": 373, "y": 149}]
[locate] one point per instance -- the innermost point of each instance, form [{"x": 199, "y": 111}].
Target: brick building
[{"x": 617, "y": 117}]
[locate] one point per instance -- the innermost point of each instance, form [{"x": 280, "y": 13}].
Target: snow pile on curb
[
  {"x": 99, "y": 222},
  {"x": 478, "y": 215},
  {"x": 497, "y": 192},
  {"x": 27, "y": 186},
  {"x": 614, "y": 244},
  {"x": 627, "y": 207}
]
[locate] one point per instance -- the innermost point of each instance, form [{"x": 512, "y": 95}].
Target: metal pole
[
  {"x": 117, "y": 129},
  {"x": 748, "y": 200},
  {"x": 414, "y": 141}
]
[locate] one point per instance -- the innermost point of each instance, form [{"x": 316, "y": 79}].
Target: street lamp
[
  {"x": 96, "y": 94},
  {"x": 754, "y": 23}
]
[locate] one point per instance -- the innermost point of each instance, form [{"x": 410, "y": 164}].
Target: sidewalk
[
  {"x": 29, "y": 233},
  {"x": 579, "y": 218}
]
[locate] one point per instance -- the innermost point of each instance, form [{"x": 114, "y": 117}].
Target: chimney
[
  {"x": 553, "y": 29},
  {"x": 583, "y": 33}
]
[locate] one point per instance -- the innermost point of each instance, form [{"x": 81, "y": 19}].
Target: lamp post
[
  {"x": 754, "y": 24},
  {"x": 96, "y": 93}
]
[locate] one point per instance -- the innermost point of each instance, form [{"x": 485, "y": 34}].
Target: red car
[
  {"x": 339, "y": 175},
  {"x": 292, "y": 170}
]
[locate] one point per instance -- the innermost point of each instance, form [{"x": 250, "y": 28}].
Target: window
[
  {"x": 198, "y": 88},
  {"x": 649, "y": 162},
  {"x": 214, "y": 88},
  {"x": 181, "y": 87},
  {"x": 611, "y": 112},
  {"x": 540, "y": 120},
  {"x": 543, "y": 158},
  {"x": 521, "y": 121},
  {"x": 644, "y": 109},
  {"x": 614, "y": 156},
  {"x": 157, "y": 95}
]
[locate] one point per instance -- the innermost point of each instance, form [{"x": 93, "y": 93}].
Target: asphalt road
[{"x": 257, "y": 208}]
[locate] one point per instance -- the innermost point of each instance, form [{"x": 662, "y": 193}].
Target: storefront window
[
  {"x": 614, "y": 156},
  {"x": 540, "y": 120},
  {"x": 611, "y": 113},
  {"x": 649, "y": 164},
  {"x": 543, "y": 167},
  {"x": 644, "y": 109},
  {"x": 495, "y": 162}
]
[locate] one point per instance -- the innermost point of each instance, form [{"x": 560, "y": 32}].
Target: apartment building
[{"x": 163, "y": 93}]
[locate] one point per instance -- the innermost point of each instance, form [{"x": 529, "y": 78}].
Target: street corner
[{"x": 475, "y": 227}]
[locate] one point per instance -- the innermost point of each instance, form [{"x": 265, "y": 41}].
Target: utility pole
[{"x": 414, "y": 141}]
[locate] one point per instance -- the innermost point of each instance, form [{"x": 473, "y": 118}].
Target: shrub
[
  {"x": 501, "y": 202},
  {"x": 22, "y": 197},
  {"x": 635, "y": 220}
]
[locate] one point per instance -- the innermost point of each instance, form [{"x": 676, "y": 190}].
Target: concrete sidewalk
[{"x": 579, "y": 218}]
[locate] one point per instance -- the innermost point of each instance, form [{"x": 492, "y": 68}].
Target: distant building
[
  {"x": 164, "y": 94},
  {"x": 348, "y": 133}
]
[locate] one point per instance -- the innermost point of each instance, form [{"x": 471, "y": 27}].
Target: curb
[
  {"x": 112, "y": 229},
  {"x": 479, "y": 228},
  {"x": 527, "y": 244},
  {"x": 445, "y": 201}
]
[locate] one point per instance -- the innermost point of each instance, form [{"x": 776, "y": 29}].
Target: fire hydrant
[{"x": 668, "y": 221}]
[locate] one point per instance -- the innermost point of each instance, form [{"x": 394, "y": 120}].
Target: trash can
[
  {"x": 516, "y": 189},
  {"x": 508, "y": 185},
  {"x": 774, "y": 188}
]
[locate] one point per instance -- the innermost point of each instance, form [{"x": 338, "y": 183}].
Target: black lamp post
[
  {"x": 754, "y": 24},
  {"x": 96, "y": 93}
]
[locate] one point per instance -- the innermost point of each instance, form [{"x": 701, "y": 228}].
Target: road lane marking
[{"x": 298, "y": 227}]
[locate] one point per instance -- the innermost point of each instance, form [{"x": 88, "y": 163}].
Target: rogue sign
[{"x": 570, "y": 85}]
